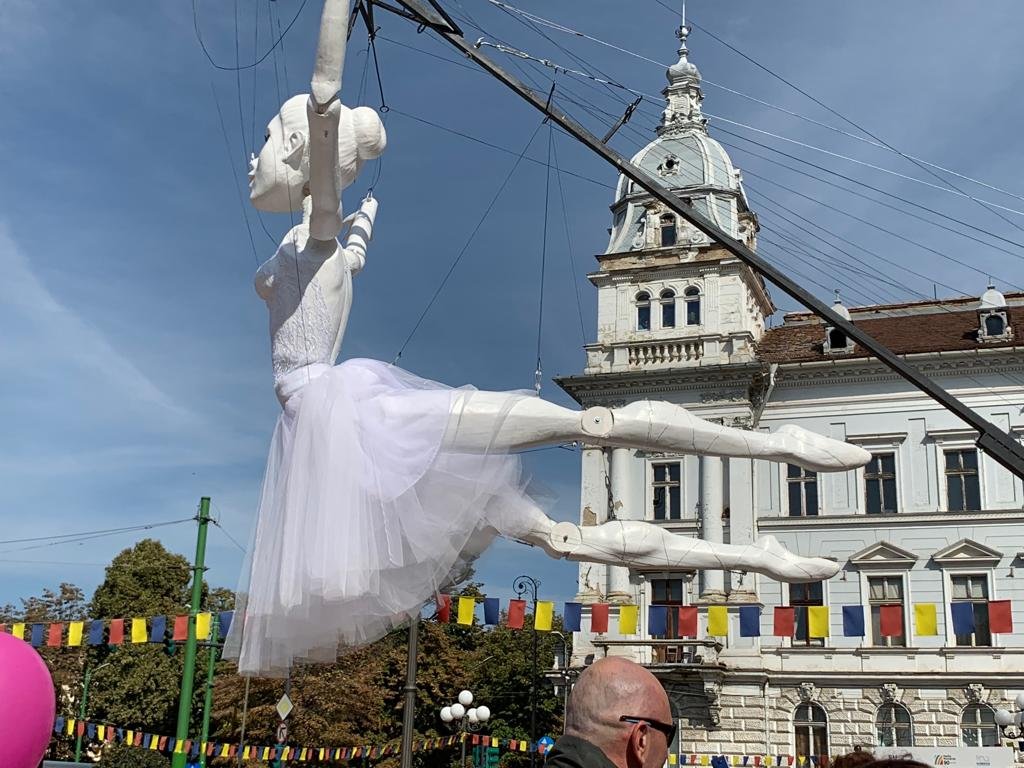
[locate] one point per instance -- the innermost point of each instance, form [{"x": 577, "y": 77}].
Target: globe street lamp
[
  {"x": 1012, "y": 723},
  {"x": 464, "y": 719}
]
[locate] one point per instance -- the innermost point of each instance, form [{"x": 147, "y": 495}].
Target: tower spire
[{"x": 683, "y": 95}]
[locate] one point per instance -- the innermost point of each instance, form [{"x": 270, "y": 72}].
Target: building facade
[{"x": 931, "y": 520}]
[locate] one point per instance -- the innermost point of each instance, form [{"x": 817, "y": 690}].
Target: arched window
[
  {"x": 643, "y": 311},
  {"x": 810, "y": 730},
  {"x": 668, "y": 230},
  {"x": 994, "y": 325},
  {"x": 692, "y": 296},
  {"x": 668, "y": 308},
  {"x": 978, "y": 726},
  {"x": 894, "y": 726}
]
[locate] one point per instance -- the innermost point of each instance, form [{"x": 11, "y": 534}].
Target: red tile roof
[{"x": 915, "y": 328}]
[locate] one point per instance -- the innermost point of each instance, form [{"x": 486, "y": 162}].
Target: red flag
[
  {"x": 1000, "y": 620},
  {"x": 785, "y": 620},
  {"x": 162, "y": 744},
  {"x": 116, "y": 632},
  {"x": 180, "y": 629},
  {"x": 80, "y": 728},
  {"x": 599, "y": 617},
  {"x": 516, "y": 613},
  {"x": 687, "y": 621},
  {"x": 890, "y": 620},
  {"x": 55, "y": 634},
  {"x": 3, "y": 629},
  {"x": 444, "y": 608}
]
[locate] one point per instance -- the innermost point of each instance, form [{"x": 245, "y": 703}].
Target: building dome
[{"x": 992, "y": 299}]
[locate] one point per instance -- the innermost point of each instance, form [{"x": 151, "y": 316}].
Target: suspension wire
[
  {"x": 257, "y": 62},
  {"x": 231, "y": 174},
  {"x": 255, "y": 47},
  {"x": 469, "y": 240},
  {"x": 238, "y": 88},
  {"x": 984, "y": 204},
  {"x": 852, "y": 180},
  {"x": 704, "y": 81},
  {"x": 568, "y": 240},
  {"x": 539, "y": 372}
]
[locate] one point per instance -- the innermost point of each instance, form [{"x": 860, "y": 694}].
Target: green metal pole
[
  {"x": 211, "y": 666},
  {"x": 81, "y": 712},
  {"x": 189, "y": 672}
]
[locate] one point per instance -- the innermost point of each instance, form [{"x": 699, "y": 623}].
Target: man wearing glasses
[{"x": 618, "y": 717}]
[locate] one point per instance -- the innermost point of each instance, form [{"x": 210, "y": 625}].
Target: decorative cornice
[{"x": 901, "y": 519}]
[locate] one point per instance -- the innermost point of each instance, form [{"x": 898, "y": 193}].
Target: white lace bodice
[{"x": 308, "y": 292}]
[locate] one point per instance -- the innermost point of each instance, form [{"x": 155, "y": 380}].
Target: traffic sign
[
  {"x": 284, "y": 707},
  {"x": 282, "y": 733}
]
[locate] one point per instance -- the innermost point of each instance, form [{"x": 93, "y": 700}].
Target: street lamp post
[
  {"x": 465, "y": 720},
  {"x": 523, "y": 585},
  {"x": 81, "y": 708},
  {"x": 1012, "y": 723}
]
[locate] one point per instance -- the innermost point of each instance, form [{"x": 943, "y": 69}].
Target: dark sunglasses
[{"x": 669, "y": 729}]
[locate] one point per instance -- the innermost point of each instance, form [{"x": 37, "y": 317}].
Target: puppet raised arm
[{"x": 323, "y": 111}]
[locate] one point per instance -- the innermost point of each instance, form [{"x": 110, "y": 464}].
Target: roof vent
[
  {"x": 993, "y": 317},
  {"x": 836, "y": 340}
]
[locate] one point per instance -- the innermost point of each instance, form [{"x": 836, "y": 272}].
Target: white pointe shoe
[
  {"x": 779, "y": 563},
  {"x": 796, "y": 445}
]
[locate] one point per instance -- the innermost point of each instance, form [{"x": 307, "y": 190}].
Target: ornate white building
[{"x": 930, "y": 520}]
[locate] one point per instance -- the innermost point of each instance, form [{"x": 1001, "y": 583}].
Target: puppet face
[{"x": 278, "y": 177}]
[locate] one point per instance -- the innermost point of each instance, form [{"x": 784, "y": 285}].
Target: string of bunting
[
  {"x": 812, "y": 620},
  {"x": 101, "y": 732},
  {"x": 136, "y": 630}
]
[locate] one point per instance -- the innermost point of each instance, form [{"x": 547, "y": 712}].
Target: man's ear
[
  {"x": 295, "y": 145},
  {"x": 637, "y": 746}
]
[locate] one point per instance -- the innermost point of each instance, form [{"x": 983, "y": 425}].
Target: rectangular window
[
  {"x": 668, "y": 234},
  {"x": 880, "y": 484},
  {"x": 670, "y": 592},
  {"x": 693, "y": 311},
  {"x": 800, "y": 597},
  {"x": 667, "y": 489},
  {"x": 802, "y": 485},
  {"x": 962, "y": 490},
  {"x": 668, "y": 312},
  {"x": 973, "y": 589},
  {"x": 886, "y": 591},
  {"x": 643, "y": 317}
]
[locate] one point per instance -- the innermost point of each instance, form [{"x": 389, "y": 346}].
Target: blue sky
[{"x": 138, "y": 372}]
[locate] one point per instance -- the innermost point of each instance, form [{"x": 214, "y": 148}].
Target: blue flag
[
  {"x": 853, "y": 621},
  {"x": 657, "y": 620},
  {"x": 963, "y": 618},
  {"x": 90, "y": 731},
  {"x": 37, "y": 635},
  {"x": 157, "y": 629},
  {"x": 224, "y": 622},
  {"x": 96, "y": 632},
  {"x": 491, "y": 611},
  {"x": 750, "y": 621},
  {"x": 58, "y": 725},
  {"x": 571, "y": 615}
]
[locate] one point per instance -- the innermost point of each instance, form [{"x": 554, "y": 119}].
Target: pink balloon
[{"x": 27, "y": 704}]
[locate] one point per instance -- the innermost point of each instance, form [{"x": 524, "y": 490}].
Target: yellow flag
[
  {"x": 627, "y": 619},
  {"x": 179, "y": 747},
  {"x": 128, "y": 737},
  {"x": 18, "y": 630},
  {"x": 266, "y": 753},
  {"x": 704, "y": 760},
  {"x": 223, "y": 750},
  {"x": 202, "y": 626},
  {"x": 494, "y": 741},
  {"x": 671, "y": 759},
  {"x": 718, "y": 621},
  {"x": 71, "y": 726},
  {"x": 467, "y": 607},
  {"x": 139, "y": 631},
  {"x": 101, "y": 732},
  {"x": 545, "y": 612},
  {"x": 75, "y": 633},
  {"x": 154, "y": 742},
  {"x": 925, "y": 622},
  {"x": 245, "y": 753},
  {"x": 817, "y": 620},
  {"x": 322, "y": 754}
]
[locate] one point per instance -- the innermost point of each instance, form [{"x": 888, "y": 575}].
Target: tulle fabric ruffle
[{"x": 363, "y": 514}]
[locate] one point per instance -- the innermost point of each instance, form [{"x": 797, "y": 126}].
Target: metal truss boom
[{"x": 1001, "y": 446}]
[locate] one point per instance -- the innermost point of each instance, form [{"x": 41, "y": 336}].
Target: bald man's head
[{"x": 608, "y": 690}]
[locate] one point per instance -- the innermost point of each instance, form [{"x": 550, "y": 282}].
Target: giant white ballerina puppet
[{"x": 379, "y": 484}]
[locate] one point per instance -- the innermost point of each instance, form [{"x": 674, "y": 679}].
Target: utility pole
[
  {"x": 522, "y": 585},
  {"x": 1001, "y": 446},
  {"x": 211, "y": 666},
  {"x": 188, "y": 674},
  {"x": 409, "y": 711}
]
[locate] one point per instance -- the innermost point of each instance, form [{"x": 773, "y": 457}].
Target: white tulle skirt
[{"x": 363, "y": 513}]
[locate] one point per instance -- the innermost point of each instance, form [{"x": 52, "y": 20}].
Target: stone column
[
  {"x": 626, "y": 505},
  {"x": 711, "y": 486},
  {"x": 741, "y": 522},
  {"x": 593, "y": 577}
]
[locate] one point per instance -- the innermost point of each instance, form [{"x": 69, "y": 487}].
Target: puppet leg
[
  {"x": 496, "y": 421},
  {"x": 637, "y": 544}
]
